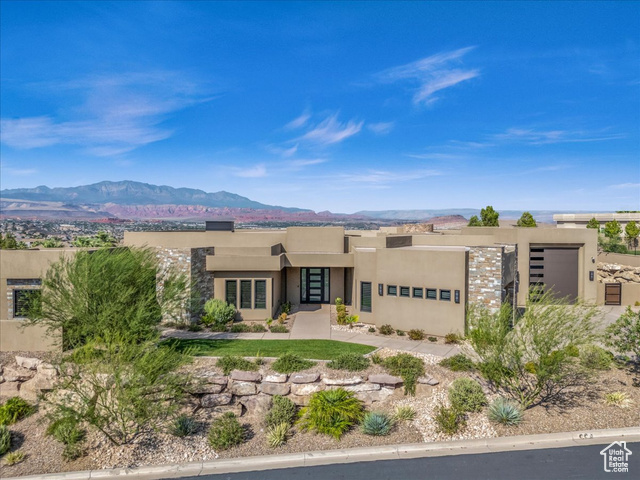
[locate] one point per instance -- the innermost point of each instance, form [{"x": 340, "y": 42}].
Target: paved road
[{"x": 548, "y": 464}]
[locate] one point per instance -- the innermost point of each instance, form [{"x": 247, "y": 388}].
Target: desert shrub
[
  {"x": 240, "y": 328},
  {"x": 618, "y": 399},
  {"x": 234, "y": 362},
  {"x": 14, "y": 458},
  {"x": 282, "y": 318},
  {"x": 277, "y": 435},
  {"x": 282, "y": 410},
  {"x": 279, "y": 329},
  {"x": 372, "y": 330},
  {"x": 453, "y": 338},
  {"x": 405, "y": 413},
  {"x": 504, "y": 411},
  {"x": 376, "y": 423},
  {"x": 286, "y": 308},
  {"x": 5, "y": 439},
  {"x": 432, "y": 339},
  {"x": 458, "y": 363},
  {"x": 386, "y": 329},
  {"x": 15, "y": 409},
  {"x": 341, "y": 314},
  {"x": 290, "y": 362},
  {"x": 258, "y": 328},
  {"x": 225, "y": 432},
  {"x": 339, "y": 301},
  {"x": 194, "y": 327},
  {"x": 218, "y": 312},
  {"x": 332, "y": 412},
  {"x": 376, "y": 359},
  {"x": 449, "y": 420},
  {"x": 218, "y": 328},
  {"x": 408, "y": 367},
  {"x": 72, "y": 451},
  {"x": 466, "y": 395},
  {"x": 416, "y": 334},
  {"x": 183, "y": 426},
  {"x": 595, "y": 358},
  {"x": 66, "y": 430},
  {"x": 352, "y": 362},
  {"x": 400, "y": 333}
]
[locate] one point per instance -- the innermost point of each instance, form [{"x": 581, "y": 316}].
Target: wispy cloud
[
  {"x": 306, "y": 162},
  {"x": 622, "y": 186},
  {"x": 331, "y": 131},
  {"x": 431, "y": 74},
  {"x": 384, "y": 177},
  {"x": 299, "y": 122},
  {"x": 381, "y": 128},
  {"x": 532, "y": 136},
  {"x": 283, "y": 151},
  {"x": 18, "y": 172},
  {"x": 256, "y": 171}
]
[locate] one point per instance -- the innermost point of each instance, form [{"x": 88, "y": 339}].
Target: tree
[
  {"x": 93, "y": 294},
  {"x": 53, "y": 242},
  {"x": 612, "y": 230},
  {"x": 631, "y": 231},
  {"x": 593, "y": 223},
  {"x": 102, "y": 239},
  {"x": 527, "y": 220},
  {"x": 474, "y": 221},
  {"x": 9, "y": 242},
  {"x": 489, "y": 217},
  {"x": 624, "y": 333}
]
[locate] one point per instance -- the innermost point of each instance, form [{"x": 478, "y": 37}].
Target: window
[
  {"x": 417, "y": 292},
  {"x": 445, "y": 295},
  {"x": 432, "y": 294},
  {"x": 456, "y": 296},
  {"x": 231, "y": 292},
  {"x": 392, "y": 290},
  {"x": 260, "y": 297},
  {"x": 245, "y": 293},
  {"x": 365, "y": 296},
  {"x": 404, "y": 291},
  {"x": 24, "y": 281},
  {"x": 22, "y": 300},
  {"x": 380, "y": 289}
]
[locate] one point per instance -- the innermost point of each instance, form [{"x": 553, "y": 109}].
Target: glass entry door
[{"x": 314, "y": 285}]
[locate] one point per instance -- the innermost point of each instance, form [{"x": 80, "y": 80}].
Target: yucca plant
[
  {"x": 14, "y": 458},
  {"x": 5, "y": 439},
  {"x": 618, "y": 399},
  {"x": 405, "y": 413},
  {"x": 277, "y": 435},
  {"x": 332, "y": 412},
  {"x": 376, "y": 423},
  {"x": 505, "y": 412},
  {"x": 183, "y": 426}
]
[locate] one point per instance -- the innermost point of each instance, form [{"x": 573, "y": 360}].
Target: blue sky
[{"x": 342, "y": 106}]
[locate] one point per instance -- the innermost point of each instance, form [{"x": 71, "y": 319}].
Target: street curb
[{"x": 362, "y": 454}]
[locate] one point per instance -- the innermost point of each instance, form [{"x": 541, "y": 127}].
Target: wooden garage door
[{"x": 613, "y": 294}]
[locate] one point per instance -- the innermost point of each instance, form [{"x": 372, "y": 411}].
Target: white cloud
[
  {"x": 381, "y": 128},
  {"x": 299, "y": 122},
  {"x": 432, "y": 74},
  {"x": 532, "y": 136},
  {"x": 621, "y": 186},
  {"x": 306, "y": 162},
  {"x": 284, "y": 151},
  {"x": 257, "y": 171},
  {"x": 18, "y": 172},
  {"x": 331, "y": 131},
  {"x": 383, "y": 177}
]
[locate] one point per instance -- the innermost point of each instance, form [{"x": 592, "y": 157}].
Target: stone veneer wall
[{"x": 485, "y": 276}]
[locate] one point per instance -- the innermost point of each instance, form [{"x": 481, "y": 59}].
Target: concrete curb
[{"x": 364, "y": 454}]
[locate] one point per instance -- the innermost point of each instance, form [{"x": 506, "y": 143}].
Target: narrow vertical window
[
  {"x": 245, "y": 293},
  {"x": 365, "y": 296},
  {"x": 260, "y": 296},
  {"x": 231, "y": 292}
]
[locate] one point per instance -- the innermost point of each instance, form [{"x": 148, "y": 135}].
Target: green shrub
[
  {"x": 405, "y": 413},
  {"x": 505, "y": 411},
  {"x": 14, "y": 458},
  {"x": 400, "y": 333},
  {"x": 332, "y": 412},
  {"x": 432, "y": 339},
  {"x": 377, "y": 424},
  {"x": 618, "y": 399},
  {"x": 194, "y": 327},
  {"x": 277, "y": 435},
  {"x": 258, "y": 328},
  {"x": 72, "y": 451},
  {"x": 454, "y": 338},
  {"x": 595, "y": 358},
  {"x": 408, "y": 367},
  {"x": 218, "y": 312},
  {"x": 352, "y": 362},
  {"x": 372, "y": 330},
  {"x": 339, "y": 301},
  {"x": 183, "y": 426},
  {"x": 290, "y": 362},
  {"x": 234, "y": 362},
  {"x": 15, "y": 409},
  {"x": 218, "y": 328},
  {"x": 416, "y": 334},
  {"x": 240, "y": 328},
  {"x": 286, "y": 307},
  {"x": 282, "y": 410},
  {"x": 279, "y": 329},
  {"x": 449, "y": 420},
  {"x": 376, "y": 359},
  {"x": 466, "y": 395},
  {"x": 458, "y": 363},
  {"x": 225, "y": 432},
  {"x": 5, "y": 439},
  {"x": 66, "y": 430},
  {"x": 386, "y": 329}
]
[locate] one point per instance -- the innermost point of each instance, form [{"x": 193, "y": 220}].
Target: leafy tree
[
  {"x": 489, "y": 217},
  {"x": 102, "y": 239},
  {"x": 593, "y": 223},
  {"x": 631, "y": 231},
  {"x": 612, "y": 230},
  {"x": 624, "y": 333},
  {"x": 527, "y": 220},
  {"x": 9, "y": 242},
  {"x": 474, "y": 221},
  {"x": 53, "y": 242},
  {"x": 93, "y": 294}
]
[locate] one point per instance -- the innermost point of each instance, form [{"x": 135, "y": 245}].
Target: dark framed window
[
  {"x": 260, "y": 296},
  {"x": 456, "y": 296},
  {"x": 365, "y": 296},
  {"x": 417, "y": 292},
  {"x": 231, "y": 292},
  {"x": 405, "y": 292},
  {"x": 392, "y": 290},
  {"x": 24, "y": 281},
  {"x": 432, "y": 294},
  {"x": 22, "y": 300},
  {"x": 245, "y": 293},
  {"x": 445, "y": 295},
  {"x": 380, "y": 289}
]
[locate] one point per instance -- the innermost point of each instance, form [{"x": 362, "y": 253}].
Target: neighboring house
[
  {"x": 580, "y": 220},
  {"x": 419, "y": 280}
]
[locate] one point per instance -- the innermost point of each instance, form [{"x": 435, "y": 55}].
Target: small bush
[
  {"x": 405, "y": 413},
  {"x": 234, "y": 362},
  {"x": 595, "y": 358},
  {"x": 218, "y": 312},
  {"x": 449, "y": 420},
  {"x": 352, "y": 362},
  {"x": 386, "y": 329},
  {"x": 400, "y": 333},
  {"x": 282, "y": 318},
  {"x": 286, "y": 308},
  {"x": 14, "y": 458},
  {"x": 618, "y": 399},
  {"x": 5, "y": 439},
  {"x": 225, "y": 432},
  {"x": 453, "y": 338},
  {"x": 66, "y": 430},
  {"x": 279, "y": 329},
  {"x": 408, "y": 367},
  {"x": 183, "y": 426},
  {"x": 341, "y": 314},
  {"x": 458, "y": 363},
  {"x": 432, "y": 339},
  {"x": 194, "y": 327},
  {"x": 277, "y": 435},
  {"x": 258, "y": 328},
  {"x": 339, "y": 301},
  {"x": 372, "y": 330},
  {"x": 15, "y": 409},
  {"x": 282, "y": 410},
  {"x": 377, "y": 424},
  {"x": 505, "y": 412},
  {"x": 332, "y": 412},
  {"x": 72, "y": 452},
  {"x": 290, "y": 362},
  {"x": 376, "y": 359},
  {"x": 416, "y": 334},
  {"x": 466, "y": 395},
  {"x": 240, "y": 328},
  {"x": 218, "y": 328}
]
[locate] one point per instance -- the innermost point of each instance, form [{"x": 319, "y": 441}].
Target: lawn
[{"x": 314, "y": 349}]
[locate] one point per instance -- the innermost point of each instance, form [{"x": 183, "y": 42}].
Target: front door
[{"x": 314, "y": 285}]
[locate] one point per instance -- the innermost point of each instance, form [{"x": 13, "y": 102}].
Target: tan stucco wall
[
  {"x": 239, "y": 238},
  {"x": 630, "y": 293},
  {"x": 314, "y": 239},
  {"x": 13, "y": 337}
]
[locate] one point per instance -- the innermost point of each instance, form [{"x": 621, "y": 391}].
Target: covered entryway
[
  {"x": 613, "y": 294},
  {"x": 314, "y": 285}
]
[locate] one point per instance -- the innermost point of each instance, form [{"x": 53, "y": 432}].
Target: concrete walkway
[{"x": 314, "y": 324}]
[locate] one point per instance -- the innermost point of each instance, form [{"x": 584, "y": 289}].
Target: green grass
[{"x": 316, "y": 349}]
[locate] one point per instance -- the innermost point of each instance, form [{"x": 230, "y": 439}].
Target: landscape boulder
[
  {"x": 342, "y": 381},
  {"x": 276, "y": 378},
  {"x": 27, "y": 362},
  {"x": 257, "y": 404},
  {"x": 274, "y": 388},
  {"x": 244, "y": 388},
  {"x": 428, "y": 380},
  {"x": 303, "y": 389},
  {"x": 242, "y": 376},
  {"x": 385, "y": 379},
  {"x": 363, "y": 387},
  {"x": 305, "y": 377},
  {"x": 215, "y": 400}
]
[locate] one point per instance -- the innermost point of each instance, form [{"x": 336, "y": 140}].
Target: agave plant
[
  {"x": 505, "y": 412},
  {"x": 375, "y": 423},
  {"x": 277, "y": 435},
  {"x": 183, "y": 426},
  {"x": 618, "y": 399}
]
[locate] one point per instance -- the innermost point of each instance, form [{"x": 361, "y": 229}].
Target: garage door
[{"x": 556, "y": 269}]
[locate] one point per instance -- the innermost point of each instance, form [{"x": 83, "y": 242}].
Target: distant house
[{"x": 580, "y": 220}]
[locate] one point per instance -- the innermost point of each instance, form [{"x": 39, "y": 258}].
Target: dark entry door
[
  {"x": 613, "y": 294},
  {"x": 314, "y": 285}
]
